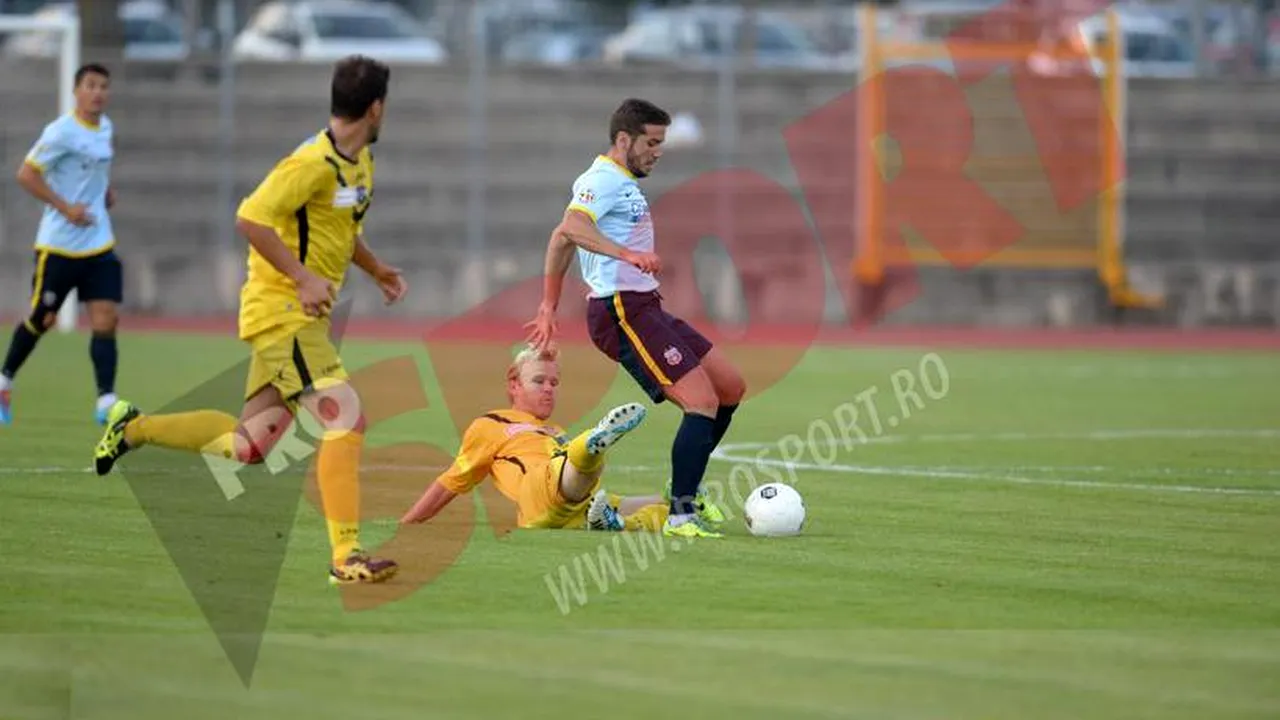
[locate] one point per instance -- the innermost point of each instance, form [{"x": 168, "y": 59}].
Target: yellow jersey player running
[
  {"x": 554, "y": 481},
  {"x": 304, "y": 227}
]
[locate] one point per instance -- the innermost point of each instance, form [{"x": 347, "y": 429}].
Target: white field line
[
  {"x": 1010, "y": 475},
  {"x": 1106, "y": 435},
  {"x": 425, "y": 469}
]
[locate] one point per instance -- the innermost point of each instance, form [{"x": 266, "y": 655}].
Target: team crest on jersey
[
  {"x": 362, "y": 194},
  {"x": 638, "y": 209},
  {"x": 672, "y": 356},
  {"x": 586, "y": 196}
]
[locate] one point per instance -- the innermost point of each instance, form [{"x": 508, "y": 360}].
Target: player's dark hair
[
  {"x": 632, "y": 115},
  {"x": 358, "y": 82},
  {"x": 91, "y": 69}
]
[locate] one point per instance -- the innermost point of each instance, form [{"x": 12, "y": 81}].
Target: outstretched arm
[
  {"x": 430, "y": 504},
  {"x": 542, "y": 329},
  {"x": 559, "y": 257},
  {"x": 576, "y": 230},
  {"x": 468, "y": 470}
]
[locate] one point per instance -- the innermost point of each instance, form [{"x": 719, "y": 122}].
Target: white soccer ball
[{"x": 774, "y": 510}]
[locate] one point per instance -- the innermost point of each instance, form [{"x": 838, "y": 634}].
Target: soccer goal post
[
  {"x": 66, "y": 28},
  {"x": 1016, "y": 143}
]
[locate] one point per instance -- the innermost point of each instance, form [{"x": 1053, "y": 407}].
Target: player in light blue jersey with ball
[
  {"x": 69, "y": 170},
  {"x": 609, "y": 224}
]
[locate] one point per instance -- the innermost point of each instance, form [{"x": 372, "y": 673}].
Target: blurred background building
[{"x": 498, "y": 104}]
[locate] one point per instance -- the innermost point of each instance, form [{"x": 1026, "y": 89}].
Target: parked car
[
  {"x": 326, "y": 30},
  {"x": 543, "y": 32},
  {"x": 948, "y": 26},
  {"x": 561, "y": 46},
  {"x": 1153, "y": 46},
  {"x": 151, "y": 32},
  {"x": 693, "y": 37},
  {"x": 939, "y": 21}
]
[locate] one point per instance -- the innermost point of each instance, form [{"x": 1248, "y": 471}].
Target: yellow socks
[
  {"x": 338, "y": 473},
  {"x": 649, "y": 518},
  {"x": 584, "y": 461},
  {"x": 202, "y": 431},
  {"x": 213, "y": 433}
]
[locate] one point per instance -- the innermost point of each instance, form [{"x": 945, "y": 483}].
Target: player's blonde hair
[{"x": 531, "y": 355}]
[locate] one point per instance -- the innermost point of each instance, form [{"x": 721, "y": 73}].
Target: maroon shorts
[{"x": 655, "y": 347}]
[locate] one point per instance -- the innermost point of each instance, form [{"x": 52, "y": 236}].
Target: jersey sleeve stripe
[
  {"x": 584, "y": 210},
  {"x": 39, "y": 166}
]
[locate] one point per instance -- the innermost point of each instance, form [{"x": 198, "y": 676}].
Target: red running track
[{"x": 1198, "y": 339}]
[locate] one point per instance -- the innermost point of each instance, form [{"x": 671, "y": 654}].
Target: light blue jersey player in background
[{"x": 69, "y": 170}]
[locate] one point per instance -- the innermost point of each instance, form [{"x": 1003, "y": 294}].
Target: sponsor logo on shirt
[{"x": 346, "y": 197}]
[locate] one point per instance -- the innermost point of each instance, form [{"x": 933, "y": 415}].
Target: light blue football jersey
[
  {"x": 609, "y": 193},
  {"x": 75, "y": 159}
]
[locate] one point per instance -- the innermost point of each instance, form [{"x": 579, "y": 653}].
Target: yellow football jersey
[
  {"x": 316, "y": 200},
  {"x": 506, "y": 444}
]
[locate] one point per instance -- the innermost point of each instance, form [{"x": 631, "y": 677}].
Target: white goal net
[{"x": 27, "y": 41}]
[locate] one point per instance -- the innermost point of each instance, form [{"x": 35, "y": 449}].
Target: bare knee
[
  {"x": 258, "y": 434},
  {"x": 104, "y": 325},
  {"x": 47, "y": 320},
  {"x": 248, "y": 453},
  {"x": 729, "y": 384},
  {"x": 103, "y": 316},
  {"x": 695, "y": 393},
  {"x": 253, "y": 448},
  {"x": 732, "y": 389},
  {"x": 337, "y": 408}
]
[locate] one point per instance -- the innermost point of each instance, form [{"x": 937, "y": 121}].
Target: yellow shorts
[
  {"x": 541, "y": 504},
  {"x": 293, "y": 360}
]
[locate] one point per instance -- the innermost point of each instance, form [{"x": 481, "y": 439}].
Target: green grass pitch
[{"x": 1058, "y": 535}]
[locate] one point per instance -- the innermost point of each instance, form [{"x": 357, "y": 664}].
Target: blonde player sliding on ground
[
  {"x": 553, "y": 480},
  {"x": 303, "y": 224}
]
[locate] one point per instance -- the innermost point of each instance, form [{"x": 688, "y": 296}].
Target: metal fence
[{"x": 479, "y": 153}]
